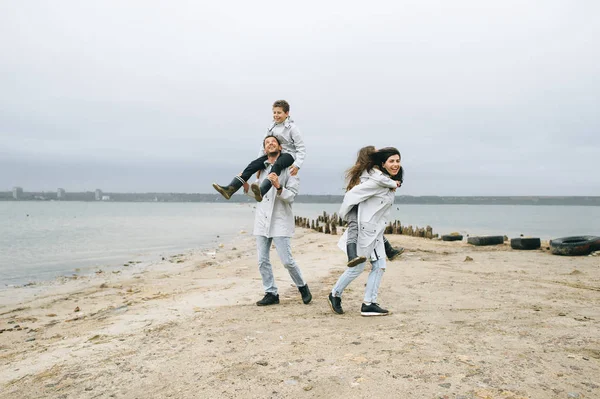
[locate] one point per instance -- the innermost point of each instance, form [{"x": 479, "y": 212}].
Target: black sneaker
[
  {"x": 336, "y": 304},
  {"x": 306, "y": 295},
  {"x": 269, "y": 299},
  {"x": 373, "y": 310}
]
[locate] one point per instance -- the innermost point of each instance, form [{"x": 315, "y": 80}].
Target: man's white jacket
[
  {"x": 375, "y": 195},
  {"x": 274, "y": 216}
]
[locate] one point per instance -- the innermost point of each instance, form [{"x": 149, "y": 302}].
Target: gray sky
[{"x": 480, "y": 97}]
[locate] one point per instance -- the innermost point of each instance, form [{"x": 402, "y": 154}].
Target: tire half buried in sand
[
  {"x": 486, "y": 240},
  {"x": 525, "y": 243}
]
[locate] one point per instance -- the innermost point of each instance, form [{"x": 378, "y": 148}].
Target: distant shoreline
[{"x": 308, "y": 199}]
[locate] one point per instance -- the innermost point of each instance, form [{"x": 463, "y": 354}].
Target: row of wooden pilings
[{"x": 328, "y": 224}]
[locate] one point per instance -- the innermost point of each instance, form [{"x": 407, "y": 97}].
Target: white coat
[
  {"x": 274, "y": 216},
  {"x": 375, "y": 194}
]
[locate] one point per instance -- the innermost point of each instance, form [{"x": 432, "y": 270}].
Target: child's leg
[
  {"x": 253, "y": 167},
  {"x": 238, "y": 181},
  {"x": 352, "y": 219},
  {"x": 284, "y": 161},
  {"x": 352, "y": 238}
]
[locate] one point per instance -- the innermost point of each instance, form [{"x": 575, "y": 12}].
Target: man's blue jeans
[{"x": 284, "y": 250}]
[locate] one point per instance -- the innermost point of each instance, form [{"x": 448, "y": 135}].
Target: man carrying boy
[
  {"x": 293, "y": 153},
  {"x": 274, "y": 223}
]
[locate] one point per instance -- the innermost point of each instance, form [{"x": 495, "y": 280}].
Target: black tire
[
  {"x": 596, "y": 245},
  {"x": 574, "y": 246},
  {"x": 525, "y": 243},
  {"x": 486, "y": 240},
  {"x": 452, "y": 238}
]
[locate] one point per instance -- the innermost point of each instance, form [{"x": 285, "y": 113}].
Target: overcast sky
[{"x": 480, "y": 97}]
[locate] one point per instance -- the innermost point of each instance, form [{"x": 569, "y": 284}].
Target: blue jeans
[
  {"x": 284, "y": 250},
  {"x": 373, "y": 282}
]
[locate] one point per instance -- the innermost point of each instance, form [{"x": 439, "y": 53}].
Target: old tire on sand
[
  {"x": 450, "y": 237},
  {"x": 486, "y": 240},
  {"x": 574, "y": 246},
  {"x": 525, "y": 243}
]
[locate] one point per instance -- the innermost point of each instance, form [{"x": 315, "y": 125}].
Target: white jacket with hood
[
  {"x": 375, "y": 194},
  {"x": 290, "y": 138}
]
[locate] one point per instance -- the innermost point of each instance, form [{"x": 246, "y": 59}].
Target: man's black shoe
[
  {"x": 373, "y": 310},
  {"x": 269, "y": 299},
  {"x": 336, "y": 304},
  {"x": 306, "y": 295}
]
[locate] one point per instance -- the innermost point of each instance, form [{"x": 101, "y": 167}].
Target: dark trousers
[{"x": 284, "y": 161}]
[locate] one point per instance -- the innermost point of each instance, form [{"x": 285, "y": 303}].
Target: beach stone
[
  {"x": 573, "y": 395},
  {"x": 468, "y": 259},
  {"x": 262, "y": 363},
  {"x": 446, "y": 385},
  {"x": 30, "y": 339}
]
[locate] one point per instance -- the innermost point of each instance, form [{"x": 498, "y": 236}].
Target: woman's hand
[{"x": 293, "y": 170}]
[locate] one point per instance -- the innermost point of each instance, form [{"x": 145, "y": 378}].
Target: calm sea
[{"x": 43, "y": 240}]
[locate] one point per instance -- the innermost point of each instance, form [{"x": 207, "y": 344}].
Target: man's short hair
[
  {"x": 270, "y": 135},
  {"x": 283, "y": 105}
]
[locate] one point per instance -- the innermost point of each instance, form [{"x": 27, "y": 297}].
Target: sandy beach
[{"x": 506, "y": 324}]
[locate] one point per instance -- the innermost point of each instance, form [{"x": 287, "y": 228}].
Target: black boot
[
  {"x": 306, "y": 295},
  {"x": 265, "y": 186},
  {"x": 228, "y": 191},
  {"x": 390, "y": 251},
  {"x": 353, "y": 258},
  {"x": 256, "y": 191},
  {"x": 260, "y": 191}
]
